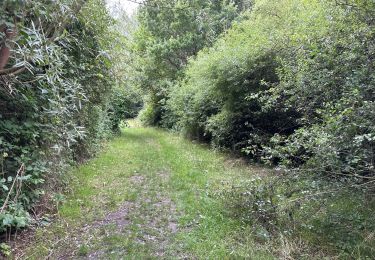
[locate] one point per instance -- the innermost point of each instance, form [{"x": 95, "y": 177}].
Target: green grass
[{"x": 150, "y": 194}]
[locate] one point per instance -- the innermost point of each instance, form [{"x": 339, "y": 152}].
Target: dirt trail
[{"x": 150, "y": 221}]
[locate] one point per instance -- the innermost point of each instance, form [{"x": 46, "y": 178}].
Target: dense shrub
[
  {"x": 54, "y": 96},
  {"x": 241, "y": 66},
  {"x": 330, "y": 82},
  {"x": 292, "y": 83}
]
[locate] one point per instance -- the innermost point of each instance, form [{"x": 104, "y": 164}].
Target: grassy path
[{"x": 150, "y": 194}]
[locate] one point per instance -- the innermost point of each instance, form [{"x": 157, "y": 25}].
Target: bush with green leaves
[
  {"x": 222, "y": 93},
  {"x": 54, "y": 97},
  {"x": 330, "y": 82},
  {"x": 291, "y": 83}
]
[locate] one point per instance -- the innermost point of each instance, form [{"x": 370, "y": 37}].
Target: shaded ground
[{"x": 150, "y": 194}]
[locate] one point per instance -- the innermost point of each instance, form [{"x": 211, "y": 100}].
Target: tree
[{"x": 169, "y": 34}]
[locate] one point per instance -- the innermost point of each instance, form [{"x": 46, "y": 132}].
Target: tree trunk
[{"x": 4, "y": 49}]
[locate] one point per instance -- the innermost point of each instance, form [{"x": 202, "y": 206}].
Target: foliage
[
  {"x": 5, "y": 249},
  {"x": 125, "y": 104},
  {"x": 230, "y": 77},
  {"x": 292, "y": 83},
  {"x": 54, "y": 96},
  {"x": 169, "y": 33},
  {"x": 326, "y": 215},
  {"x": 330, "y": 82},
  {"x": 286, "y": 82}
]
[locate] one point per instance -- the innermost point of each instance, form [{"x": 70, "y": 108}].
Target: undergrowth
[{"x": 304, "y": 216}]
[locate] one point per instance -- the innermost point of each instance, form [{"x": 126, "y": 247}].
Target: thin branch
[
  {"x": 20, "y": 171},
  {"x": 10, "y": 70},
  {"x": 18, "y": 71}
]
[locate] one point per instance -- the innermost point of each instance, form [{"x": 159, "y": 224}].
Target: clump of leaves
[{"x": 5, "y": 249}]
